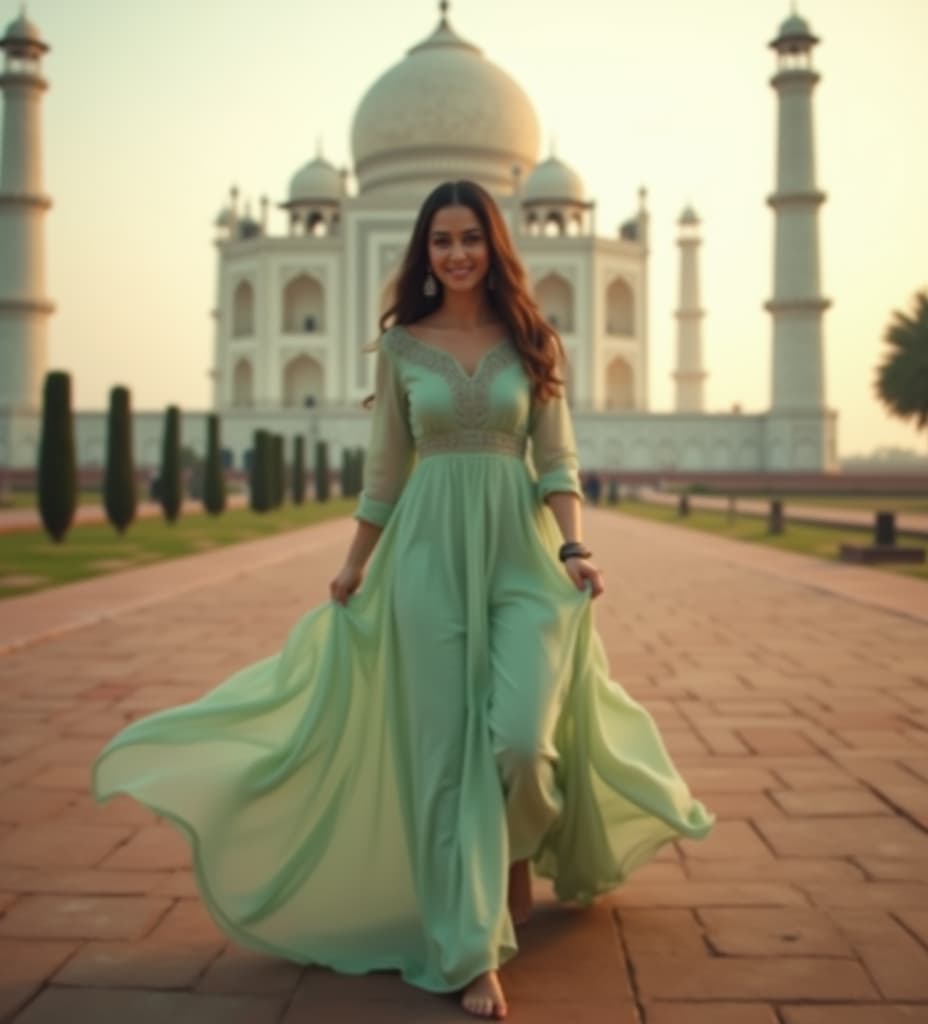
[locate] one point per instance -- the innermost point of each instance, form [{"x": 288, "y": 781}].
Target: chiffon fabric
[{"x": 356, "y": 799}]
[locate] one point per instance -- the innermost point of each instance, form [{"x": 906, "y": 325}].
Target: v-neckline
[{"x": 443, "y": 351}]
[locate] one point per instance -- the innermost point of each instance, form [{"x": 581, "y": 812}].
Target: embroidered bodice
[{"x": 427, "y": 404}]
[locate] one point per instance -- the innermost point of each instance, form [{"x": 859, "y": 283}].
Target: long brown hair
[{"x": 539, "y": 345}]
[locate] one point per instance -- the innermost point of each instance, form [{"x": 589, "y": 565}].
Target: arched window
[
  {"x": 243, "y": 384},
  {"x": 620, "y": 308},
  {"x": 303, "y": 381},
  {"x": 243, "y": 310},
  {"x": 303, "y": 306},
  {"x": 554, "y": 225},
  {"x": 555, "y": 298},
  {"x": 532, "y": 225},
  {"x": 620, "y": 390},
  {"x": 316, "y": 225}
]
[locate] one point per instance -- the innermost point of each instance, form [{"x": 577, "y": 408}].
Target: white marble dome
[
  {"x": 443, "y": 112},
  {"x": 316, "y": 181},
  {"x": 554, "y": 181}
]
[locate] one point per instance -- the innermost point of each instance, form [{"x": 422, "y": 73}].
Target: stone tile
[
  {"x": 660, "y": 871},
  {"x": 674, "y": 933},
  {"x": 145, "y": 964},
  {"x": 711, "y": 1013},
  {"x": 108, "y": 1006},
  {"x": 709, "y": 894},
  {"x": 82, "y": 917},
  {"x": 179, "y": 884},
  {"x": 916, "y": 921},
  {"x": 729, "y": 840},
  {"x": 825, "y": 802},
  {"x": 52, "y": 844},
  {"x": 242, "y": 971},
  {"x": 819, "y": 776},
  {"x": 762, "y": 931},
  {"x": 868, "y": 894},
  {"x": 155, "y": 848},
  {"x": 84, "y": 882},
  {"x": 844, "y": 1014},
  {"x": 752, "y": 978},
  {"x": 896, "y": 961},
  {"x": 911, "y": 799},
  {"x": 27, "y": 806},
  {"x": 66, "y": 777},
  {"x": 724, "y": 780},
  {"x": 776, "y": 741},
  {"x": 120, "y": 810},
  {"x": 24, "y": 967},
  {"x": 784, "y": 869},
  {"x": 732, "y": 806},
  {"x": 892, "y": 870},
  {"x": 844, "y": 837},
  {"x": 188, "y": 921}
]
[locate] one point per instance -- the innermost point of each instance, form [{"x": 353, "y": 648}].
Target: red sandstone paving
[{"x": 798, "y": 714}]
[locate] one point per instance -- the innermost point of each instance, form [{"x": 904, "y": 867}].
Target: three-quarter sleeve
[
  {"x": 554, "y": 448},
  {"x": 390, "y": 450}
]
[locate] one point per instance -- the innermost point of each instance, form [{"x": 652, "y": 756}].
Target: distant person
[{"x": 371, "y": 797}]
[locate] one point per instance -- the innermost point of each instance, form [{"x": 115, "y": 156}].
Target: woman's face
[{"x": 459, "y": 253}]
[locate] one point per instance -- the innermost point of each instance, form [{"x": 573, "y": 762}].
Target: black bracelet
[{"x": 573, "y": 549}]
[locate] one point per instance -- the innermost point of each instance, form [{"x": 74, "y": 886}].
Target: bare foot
[
  {"x": 520, "y": 892},
  {"x": 484, "y": 997}
]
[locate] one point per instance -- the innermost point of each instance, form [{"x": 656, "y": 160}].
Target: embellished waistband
[{"x": 490, "y": 441}]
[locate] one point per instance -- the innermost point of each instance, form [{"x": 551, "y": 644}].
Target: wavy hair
[{"x": 538, "y": 343}]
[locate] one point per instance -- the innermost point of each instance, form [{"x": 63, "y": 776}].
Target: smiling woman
[{"x": 455, "y": 714}]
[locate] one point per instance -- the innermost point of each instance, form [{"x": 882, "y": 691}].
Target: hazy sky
[{"x": 155, "y": 108}]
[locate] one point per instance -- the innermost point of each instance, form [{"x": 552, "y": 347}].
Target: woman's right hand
[{"x": 346, "y": 582}]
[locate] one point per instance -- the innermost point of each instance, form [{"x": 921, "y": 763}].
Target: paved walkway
[{"x": 792, "y": 694}]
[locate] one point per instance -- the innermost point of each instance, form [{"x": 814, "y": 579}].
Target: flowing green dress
[{"x": 356, "y": 799}]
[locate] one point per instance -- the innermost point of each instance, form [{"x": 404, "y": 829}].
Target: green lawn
[
  {"x": 819, "y": 541},
  {"x": 29, "y": 561}
]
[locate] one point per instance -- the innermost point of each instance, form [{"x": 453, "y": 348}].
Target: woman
[{"x": 370, "y": 796}]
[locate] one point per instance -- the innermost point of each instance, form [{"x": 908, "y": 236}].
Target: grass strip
[
  {"x": 29, "y": 561},
  {"x": 818, "y": 541}
]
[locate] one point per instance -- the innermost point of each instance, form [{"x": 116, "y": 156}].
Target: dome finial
[{"x": 443, "y": 6}]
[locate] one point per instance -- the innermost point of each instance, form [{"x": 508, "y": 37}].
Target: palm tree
[{"x": 902, "y": 377}]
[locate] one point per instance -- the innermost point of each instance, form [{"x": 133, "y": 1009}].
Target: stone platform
[{"x": 793, "y": 694}]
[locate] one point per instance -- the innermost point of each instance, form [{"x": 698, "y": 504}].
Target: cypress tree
[
  {"x": 280, "y": 474},
  {"x": 119, "y": 475},
  {"x": 258, "y": 478},
  {"x": 170, "y": 491},
  {"x": 298, "y": 472},
  {"x": 346, "y": 472},
  {"x": 214, "y": 484},
  {"x": 57, "y": 459},
  {"x": 322, "y": 471}
]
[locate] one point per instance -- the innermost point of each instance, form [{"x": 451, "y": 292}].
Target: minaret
[
  {"x": 24, "y": 307},
  {"x": 797, "y": 304},
  {"x": 689, "y": 375}
]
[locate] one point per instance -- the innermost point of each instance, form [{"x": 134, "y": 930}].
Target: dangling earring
[
  {"x": 491, "y": 280},
  {"x": 430, "y": 288}
]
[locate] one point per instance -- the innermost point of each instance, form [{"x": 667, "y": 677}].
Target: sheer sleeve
[
  {"x": 390, "y": 451},
  {"x": 554, "y": 449}
]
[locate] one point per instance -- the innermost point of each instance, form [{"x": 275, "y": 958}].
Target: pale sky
[{"x": 156, "y": 108}]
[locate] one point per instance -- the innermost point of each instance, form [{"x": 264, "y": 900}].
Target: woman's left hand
[{"x": 581, "y": 569}]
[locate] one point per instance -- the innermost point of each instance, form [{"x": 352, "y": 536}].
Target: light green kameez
[{"x": 356, "y": 799}]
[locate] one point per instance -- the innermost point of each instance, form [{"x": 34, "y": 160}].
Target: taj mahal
[{"x": 293, "y": 311}]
